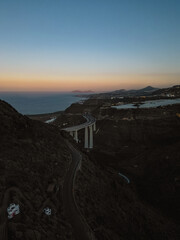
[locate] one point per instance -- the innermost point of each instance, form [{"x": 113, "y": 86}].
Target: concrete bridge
[{"x": 88, "y": 126}]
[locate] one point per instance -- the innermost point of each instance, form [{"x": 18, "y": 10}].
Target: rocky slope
[
  {"x": 146, "y": 150},
  {"x": 33, "y": 163},
  {"x": 141, "y": 144},
  {"x": 175, "y": 90}
]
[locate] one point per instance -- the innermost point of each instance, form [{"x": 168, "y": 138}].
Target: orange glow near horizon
[
  {"x": 59, "y": 46},
  {"x": 85, "y": 82}
]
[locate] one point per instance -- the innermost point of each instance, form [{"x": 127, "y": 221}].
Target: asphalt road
[
  {"x": 90, "y": 121},
  {"x": 80, "y": 227}
]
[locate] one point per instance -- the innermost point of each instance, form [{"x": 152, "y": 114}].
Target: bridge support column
[
  {"x": 94, "y": 126},
  {"x": 86, "y": 138},
  {"x": 76, "y": 136},
  {"x": 71, "y": 133},
  {"x": 91, "y": 137}
]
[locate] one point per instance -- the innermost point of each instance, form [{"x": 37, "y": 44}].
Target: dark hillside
[
  {"x": 143, "y": 146},
  {"x": 33, "y": 157}
]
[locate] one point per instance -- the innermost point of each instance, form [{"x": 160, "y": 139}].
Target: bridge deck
[{"x": 90, "y": 121}]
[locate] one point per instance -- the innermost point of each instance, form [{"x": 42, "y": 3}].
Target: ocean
[{"x": 39, "y": 103}]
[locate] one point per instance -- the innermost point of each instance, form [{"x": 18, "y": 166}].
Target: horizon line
[{"x": 83, "y": 91}]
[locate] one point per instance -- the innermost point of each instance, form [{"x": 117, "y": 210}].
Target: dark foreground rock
[{"x": 33, "y": 163}]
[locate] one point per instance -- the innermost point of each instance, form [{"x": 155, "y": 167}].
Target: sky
[{"x": 63, "y": 45}]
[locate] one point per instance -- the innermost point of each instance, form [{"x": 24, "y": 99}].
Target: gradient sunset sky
[{"x": 63, "y": 45}]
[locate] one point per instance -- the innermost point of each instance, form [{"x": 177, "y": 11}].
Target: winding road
[
  {"x": 89, "y": 121},
  {"x": 80, "y": 227}
]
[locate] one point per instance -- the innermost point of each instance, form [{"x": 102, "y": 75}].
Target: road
[
  {"x": 90, "y": 121},
  {"x": 80, "y": 227},
  {"x": 126, "y": 178}
]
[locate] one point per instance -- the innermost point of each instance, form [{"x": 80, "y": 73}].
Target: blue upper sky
[{"x": 90, "y": 36}]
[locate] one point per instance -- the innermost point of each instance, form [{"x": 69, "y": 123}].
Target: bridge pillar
[
  {"x": 94, "y": 126},
  {"x": 86, "y": 138},
  {"x": 76, "y": 136},
  {"x": 71, "y": 133},
  {"x": 91, "y": 137}
]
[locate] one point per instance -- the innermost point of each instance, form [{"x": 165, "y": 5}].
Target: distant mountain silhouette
[
  {"x": 175, "y": 90},
  {"x": 148, "y": 88},
  {"x": 126, "y": 93},
  {"x": 135, "y": 92}
]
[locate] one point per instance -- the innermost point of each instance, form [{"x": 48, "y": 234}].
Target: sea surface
[
  {"x": 39, "y": 103},
  {"x": 150, "y": 104}
]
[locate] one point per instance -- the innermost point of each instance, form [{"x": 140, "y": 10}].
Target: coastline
[{"x": 39, "y": 103}]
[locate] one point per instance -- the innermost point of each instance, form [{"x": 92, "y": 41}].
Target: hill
[
  {"x": 125, "y": 93},
  {"x": 34, "y": 159},
  {"x": 172, "y": 91},
  {"x": 140, "y": 144},
  {"x": 143, "y": 145}
]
